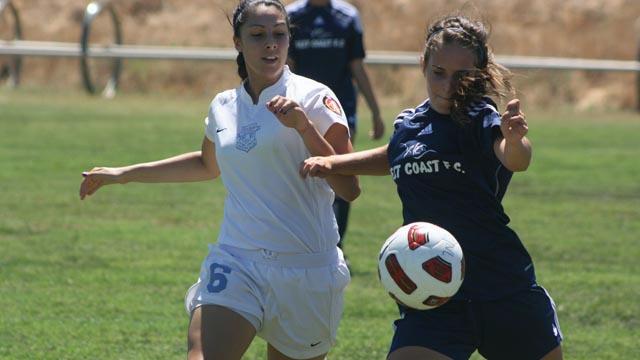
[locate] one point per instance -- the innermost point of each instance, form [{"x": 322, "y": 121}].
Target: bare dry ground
[{"x": 598, "y": 29}]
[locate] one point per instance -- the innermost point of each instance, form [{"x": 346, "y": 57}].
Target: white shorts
[{"x": 294, "y": 301}]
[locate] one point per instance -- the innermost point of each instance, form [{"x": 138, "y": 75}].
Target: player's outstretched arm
[
  {"x": 366, "y": 162},
  {"x": 194, "y": 166},
  {"x": 338, "y": 137},
  {"x": 364, "y": 85},
  {"x": 514, "y": 149}
]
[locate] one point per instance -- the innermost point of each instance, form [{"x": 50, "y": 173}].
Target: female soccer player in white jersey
[
  {"x": 452, "y": 158},
  {"x": 275, "y": 271}
]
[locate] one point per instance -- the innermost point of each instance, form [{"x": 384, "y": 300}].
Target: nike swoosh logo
[
  {"x": 424, "y": 153},
  {"x": 219, "y": 130},
  {"x": 312, "y": 345}
]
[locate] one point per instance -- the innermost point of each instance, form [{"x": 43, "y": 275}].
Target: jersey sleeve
[
  {"x": 355, "y": 41},
  {"x": 487, "y": 120},
  {"x": 400, "y": 118},
  {"x": 491, "y": 130},
  {"x": 323, "y": 109},
  {"x": 210, "y": 122}
]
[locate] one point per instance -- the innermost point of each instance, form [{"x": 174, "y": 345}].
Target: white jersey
[{"x": 268, "y": 205}]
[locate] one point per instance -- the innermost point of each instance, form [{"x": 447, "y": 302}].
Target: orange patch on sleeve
[{"x": 332, "y": 104}]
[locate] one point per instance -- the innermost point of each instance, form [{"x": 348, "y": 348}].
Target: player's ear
[
  {"x": 237, "y": 44},
  {"x": 423, "y": 64}
]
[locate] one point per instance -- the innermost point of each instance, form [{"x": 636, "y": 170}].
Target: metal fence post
[
  {"x": 16, "y": 60},
  {"x": 91, "y": 12},
  {"x": 637, "y": 26}
]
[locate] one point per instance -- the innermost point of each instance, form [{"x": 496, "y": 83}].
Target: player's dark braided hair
[
  {"x": 239, "y": 18},
  {"x": 489, "y": 78}
]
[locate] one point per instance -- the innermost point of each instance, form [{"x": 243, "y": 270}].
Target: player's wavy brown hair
[
  {"x": 240, "y": 17},
  {"x": 488, "y": 79}
]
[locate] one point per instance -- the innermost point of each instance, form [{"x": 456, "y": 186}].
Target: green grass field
[{"x": 105, "y": 278}]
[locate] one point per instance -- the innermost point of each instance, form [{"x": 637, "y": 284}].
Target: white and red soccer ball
[{"x": 421, "y": 265}]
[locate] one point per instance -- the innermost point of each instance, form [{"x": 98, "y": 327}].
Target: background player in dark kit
[{"x": 327, "y": 46}]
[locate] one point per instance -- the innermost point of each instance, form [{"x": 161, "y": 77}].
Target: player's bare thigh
[
  {"x": 555, "y": 354},
  {"x": 416, "y": 352},
  {"x": 274, "y": 354},
  {"x": 216, "y": 332}
]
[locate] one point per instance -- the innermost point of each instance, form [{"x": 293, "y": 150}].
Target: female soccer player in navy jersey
[
  {"x": 275, "y": 271},
  {"x": 452, "y": 158}
]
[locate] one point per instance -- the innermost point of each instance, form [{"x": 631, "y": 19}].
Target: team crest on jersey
[
  {"x": 246, "y": 138},
  {"x": 332, "y": 104},
  {"x": 416, "y": 150}
]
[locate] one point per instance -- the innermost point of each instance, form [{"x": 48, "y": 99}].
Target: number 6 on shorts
[{"x": 217, "y": 279}]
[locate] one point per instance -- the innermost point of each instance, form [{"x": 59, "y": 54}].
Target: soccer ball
[{"x": 421, "y": 266}]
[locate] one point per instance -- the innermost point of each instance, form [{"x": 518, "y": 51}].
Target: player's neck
[
  {"x": 319, "y": 3},
  {"x": 254, "y": 85}
]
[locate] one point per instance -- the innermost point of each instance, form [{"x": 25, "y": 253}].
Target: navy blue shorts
[{"x": 521, "y": 326}]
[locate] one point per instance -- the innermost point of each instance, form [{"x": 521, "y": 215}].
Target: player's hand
[
  {"x": 377, "y": 130},
  {"x": 318, "y": 166},
  {"x": 97, "y": 178},
  {"x": 289, "y": 113},
  {"x": 514, "y": 125}
]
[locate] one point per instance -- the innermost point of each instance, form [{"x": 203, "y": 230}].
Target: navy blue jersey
[
  {"x": 325, "y": 40},
  {"x": 449, "y": 175}
]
